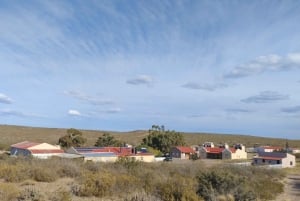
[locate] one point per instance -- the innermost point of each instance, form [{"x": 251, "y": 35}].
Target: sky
[{"x": 195, "y": 66}]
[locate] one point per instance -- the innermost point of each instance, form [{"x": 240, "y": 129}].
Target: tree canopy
[
  {"x": 162, "y": 139},
  {"x": 72, "y": 138},
  {"x": 107, "y": 140}
]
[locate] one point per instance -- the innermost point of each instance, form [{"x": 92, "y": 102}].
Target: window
[{"x": 291, "y": 163}]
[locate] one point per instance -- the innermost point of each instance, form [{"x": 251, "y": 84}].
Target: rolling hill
[{"x": 13, "y": 134}]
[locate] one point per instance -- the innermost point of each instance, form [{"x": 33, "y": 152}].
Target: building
[
  {"x": 275, "y": 159},
  {"x": 268, "y": 149},
  {"x": 37, "y": 150},
  {"x": 223, "y": 152},
  {"x": 109, "y": 154},
  {"x": 182, "y": 152}
]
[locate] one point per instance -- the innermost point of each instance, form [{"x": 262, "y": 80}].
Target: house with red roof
[
  {"x": 223, "y": 152},
  {"x": 38, "y": 150},
  {"x": 182, "y": 152},
  {"x": 109, "y": 154},
  {"x": 275, "y": 159}
]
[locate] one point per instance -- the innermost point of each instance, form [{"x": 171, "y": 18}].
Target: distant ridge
[{"x": 10, "y": 134}]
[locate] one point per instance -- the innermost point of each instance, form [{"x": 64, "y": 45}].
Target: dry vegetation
[
  {"x": 55, "y": 179},
  {"x": 13, "y": 134}
]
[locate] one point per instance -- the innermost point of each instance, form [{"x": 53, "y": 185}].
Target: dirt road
[{"x": 291, "y": 189}]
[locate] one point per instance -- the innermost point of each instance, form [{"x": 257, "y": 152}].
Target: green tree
[
  {"x": 73, "y": 138},
  {"x": 107, "y": 140},
  {"x": 163, "y": 140}
]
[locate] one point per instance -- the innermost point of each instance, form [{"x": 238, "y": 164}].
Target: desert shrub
[
  {"x": 69, "y": 168},
  {"x": 95, "y": 184},
  {"x": 30, "y": 194},
  {"x": 178, "y": 188},
  {"x": 128, "y": 162},
  {"x": 43, "y": 174},
  {"x": 13, "y": 173},
  {"x": 141, "y": 196},
  {"x": 61, "y": 195},
  {"x": 8, "y": 192},
  {"x": 215, "y": 183}
]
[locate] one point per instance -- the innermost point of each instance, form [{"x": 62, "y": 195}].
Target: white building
[{"x": 282, "y": 160}]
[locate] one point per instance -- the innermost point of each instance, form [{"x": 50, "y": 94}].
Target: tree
[
  {"x": 163, "y": 140},
  {"x": 107, "y": 140},
  {"x": 73, "y": 138}
]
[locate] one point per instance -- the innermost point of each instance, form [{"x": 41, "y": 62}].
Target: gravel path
[{"x": 291, "y": 189}]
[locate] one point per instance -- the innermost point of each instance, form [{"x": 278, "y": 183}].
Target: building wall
[
  {"x": 101, "y": 159},
  {"x": 202, "y": 153},
  {"x": 175, "y": 153},
  {"x": 226, "y": 154},
  {"x": 289, "y": 161},
  {"x": 144, "y": 158},
  {"x": 19, "y": 152},
  {"x": 45, "y": 156},
  {"x": 239, "y": 154}
]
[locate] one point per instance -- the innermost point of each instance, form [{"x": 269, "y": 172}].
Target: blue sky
[{"x": 205, "y": 66}]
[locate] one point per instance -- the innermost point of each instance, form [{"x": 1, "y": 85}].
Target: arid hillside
[{"x": 13, "y": 134}]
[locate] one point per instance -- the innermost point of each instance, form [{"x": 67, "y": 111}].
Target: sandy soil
[{"x": 291, "y": 189}]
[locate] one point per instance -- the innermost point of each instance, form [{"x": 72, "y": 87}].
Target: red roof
[
  {"x": 25, "y": 145},
  {"x": 185, "y": 149},
  {"x": 46, "y": 151},
  {"x": 214, "y": 150},
  {"x": 233, "y": 150},
  {"x": 269, "y": 158}
]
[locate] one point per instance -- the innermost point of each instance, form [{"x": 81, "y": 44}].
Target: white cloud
[
  {"x": 266, "y": 63},
  {"x": 74, "y": 112},
  {"x": 5, "y": 99}
]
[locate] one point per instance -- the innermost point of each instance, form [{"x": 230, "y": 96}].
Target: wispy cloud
[
  {"x": 266, "y": 63},
  {"x": 73, "y": 112},
  {"x": 237, "y": 110},
  {"x": 295, "y": 109},
  {"x": 10, "y": 112},
  {"x": 266, "y": 97},
  {"x": 113, "y": 110},
  {"x": 207, "y": 87},
  {"x": 89, "y": 99},
  {"x": 5, "y": 99},
  {"x": 141, "y": 80}
]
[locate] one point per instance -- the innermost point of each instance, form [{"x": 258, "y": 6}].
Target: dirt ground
[{"x": 291, "y": 189}]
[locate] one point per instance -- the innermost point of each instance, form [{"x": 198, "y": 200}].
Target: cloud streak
[
  {"x": 5, "y": 99},
  {"x": 141, "y": 80},
  {"x": 295, "y": 109},
  {"x": 206, "y": 87},
  {"x": 237, "y": 110},
  {"x": 265, "y": 97},
  {"x": 89, "y": 99},
  {"x": 268, "y": 63},
  {"x": 10, "y": 112}
]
